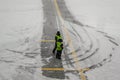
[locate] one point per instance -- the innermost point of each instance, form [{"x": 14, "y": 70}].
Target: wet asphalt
[{"x": 49, "y": 31}]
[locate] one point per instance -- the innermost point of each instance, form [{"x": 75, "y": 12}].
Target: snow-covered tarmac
[
  {"x": 96, "y": 42},
  {"x": 102, "y": 16},
  {"x": 20, "y": 34}
]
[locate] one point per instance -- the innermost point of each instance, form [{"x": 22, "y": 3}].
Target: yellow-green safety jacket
[
  {"x": 58, "y": 37},
  {"x": 59, "y": 46}
]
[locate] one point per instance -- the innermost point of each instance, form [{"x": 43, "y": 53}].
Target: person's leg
[
  {"x": 54, "y": 48},
  {"x": 57, "y": 55},
  {"x": 60, "y": 52}
]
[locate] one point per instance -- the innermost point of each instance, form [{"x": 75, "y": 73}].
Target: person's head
[{"x": 58, "y": 33}]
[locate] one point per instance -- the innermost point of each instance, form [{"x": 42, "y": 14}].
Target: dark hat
[{"x": 58, "y": 33}]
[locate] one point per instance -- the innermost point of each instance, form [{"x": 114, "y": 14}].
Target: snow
[
  {"x": 101, "y": 20},
  {"x": 20, "y": 34},
  {"x": 103, "y": 14},
  {"x": 21, "y": 29}
]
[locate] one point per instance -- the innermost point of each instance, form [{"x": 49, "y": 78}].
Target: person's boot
[{"x": 59, "y": 58}]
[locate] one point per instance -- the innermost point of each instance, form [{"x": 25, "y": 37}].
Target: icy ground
[
  {"x": 21, "y": 30},
  {"x": 20, "y": 34},
  {"x": 102, "y": 20}
]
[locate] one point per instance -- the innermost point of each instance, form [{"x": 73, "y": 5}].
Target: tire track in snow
[
  {"x": 79, "y": 37},
  {"x": 71, "y": 20},
  {"x": 89, "y": 52},
  {"x": 102, "y": 62}
]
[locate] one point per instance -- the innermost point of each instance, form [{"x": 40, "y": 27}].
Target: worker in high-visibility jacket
[
  {"x": 57, "y": 37},
  {"x": 59, "y": 48}
]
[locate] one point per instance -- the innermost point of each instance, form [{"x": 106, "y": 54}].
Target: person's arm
[{"x": 55, "y": 38}]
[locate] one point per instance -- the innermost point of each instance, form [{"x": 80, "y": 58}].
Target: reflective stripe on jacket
[
  {"x": 59, "y": 46},
  {"x": 58, "y": 37}
]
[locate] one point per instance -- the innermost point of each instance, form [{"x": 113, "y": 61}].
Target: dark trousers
[
  {"x": 55, "y": 48},
  {"x": 58, "y": 55}
]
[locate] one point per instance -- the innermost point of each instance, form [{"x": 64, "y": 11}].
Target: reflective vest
[
  {"x": 58, "y": 37},
  {"x": 59, "y": 47}
]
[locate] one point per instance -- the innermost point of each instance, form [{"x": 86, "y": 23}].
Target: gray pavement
[
  {"x": 66, "y": 13},
  {"x": 49, "y": 31}
]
